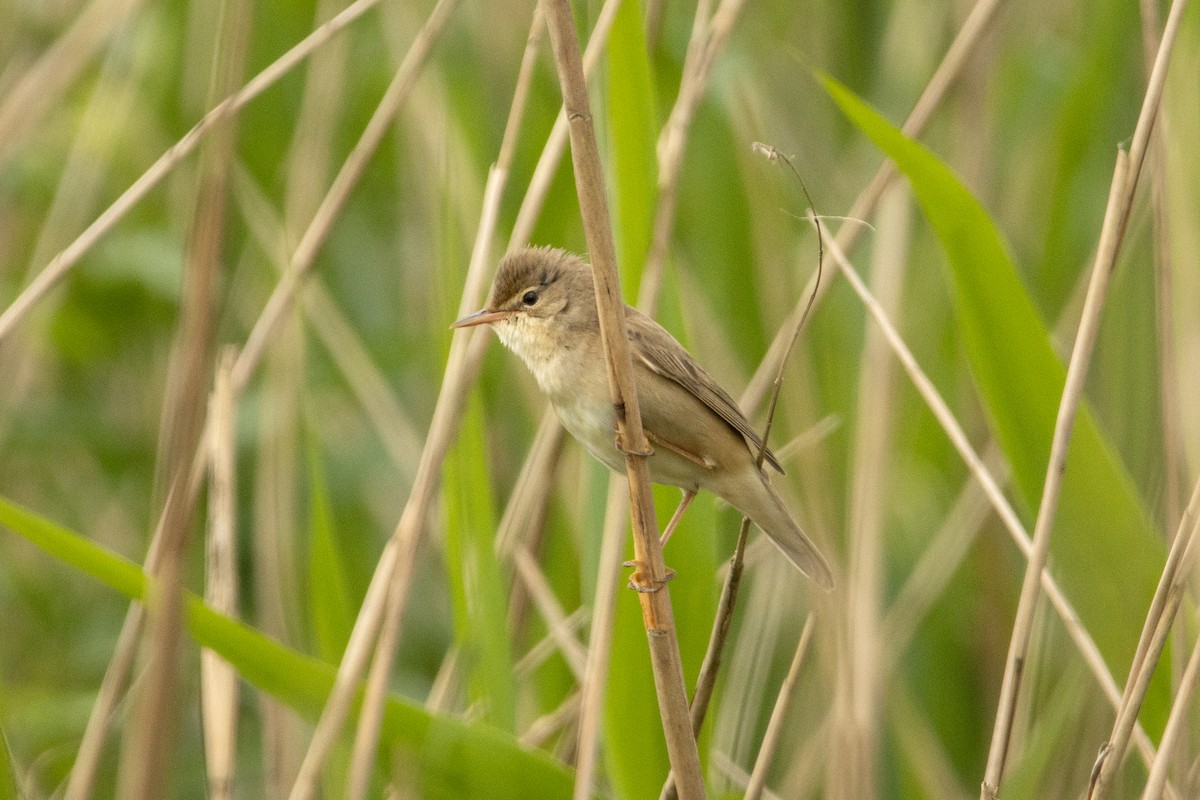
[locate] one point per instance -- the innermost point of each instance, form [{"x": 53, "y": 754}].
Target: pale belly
[
  {"x": 580, "y": 398},
  {"x": 594, "y": 426}
]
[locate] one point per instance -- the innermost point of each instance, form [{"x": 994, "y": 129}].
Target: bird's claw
[
  {"x": 639, "y": 583},
  {"x": 619, "y": 442}
]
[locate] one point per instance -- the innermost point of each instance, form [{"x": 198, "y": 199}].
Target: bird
[{"x": 542, "y": 307}]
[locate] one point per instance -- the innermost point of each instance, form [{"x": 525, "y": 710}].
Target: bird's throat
[{"x": 555, "y": 367}]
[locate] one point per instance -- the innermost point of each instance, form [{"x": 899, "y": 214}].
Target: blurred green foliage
[{"x": 1029, "y": 130}]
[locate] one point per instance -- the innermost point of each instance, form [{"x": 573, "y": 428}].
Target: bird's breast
[{"x": 591, "y": 420}]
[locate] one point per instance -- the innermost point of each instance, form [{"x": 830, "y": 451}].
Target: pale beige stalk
[
  {"x": 766, "y": 752},
  {"x": 218, "y": 680}
]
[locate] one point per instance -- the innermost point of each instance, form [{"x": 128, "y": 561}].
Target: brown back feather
[{"x": 661, "y": 353}]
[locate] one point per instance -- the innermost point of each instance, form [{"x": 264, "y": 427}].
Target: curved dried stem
[
  {"x": 948, "y": 70},
  {"x": 706, "y": 681}
]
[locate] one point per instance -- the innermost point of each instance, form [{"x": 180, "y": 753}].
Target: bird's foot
[
  {"x": 619, "y": 442},
  {"x": 640, "y": 583}
]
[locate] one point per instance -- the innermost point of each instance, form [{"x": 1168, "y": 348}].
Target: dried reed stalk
[
  {"x": 218, "y": 680},
  {"x": 656, "y": 605}
]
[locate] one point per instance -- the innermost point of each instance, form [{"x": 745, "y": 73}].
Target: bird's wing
[{"x": 661, "y": 353}]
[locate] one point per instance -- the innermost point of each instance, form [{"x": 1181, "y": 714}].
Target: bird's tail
[{"x": 757, "y": 500}]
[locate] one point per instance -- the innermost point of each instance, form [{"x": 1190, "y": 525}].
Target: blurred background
[{"x": 898, "y": 690}]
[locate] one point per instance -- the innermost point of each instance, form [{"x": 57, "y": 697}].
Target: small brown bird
[{"x": 543, "y": 308}]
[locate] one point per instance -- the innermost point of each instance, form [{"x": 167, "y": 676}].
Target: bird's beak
[{"x": 483, "y": 316}]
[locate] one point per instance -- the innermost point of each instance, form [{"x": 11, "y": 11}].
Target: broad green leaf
[
  {"x": 453, "y": 759},
  {"x": 633, "y": 126},
  {"x": 478, "y": 590},
  {"x": 1105, "y": 550},
  {"x": 330, "y": 605}
]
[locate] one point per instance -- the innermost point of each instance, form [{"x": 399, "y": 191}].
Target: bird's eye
[{"x": 530, "y": 298}]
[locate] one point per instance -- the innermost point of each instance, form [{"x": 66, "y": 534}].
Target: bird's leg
[
  {"x": 639, "y": 583},
  {"x": 688, "y": 496},
  {"x": 619, "y": 443},
  {"x": 636, "y": 581}
]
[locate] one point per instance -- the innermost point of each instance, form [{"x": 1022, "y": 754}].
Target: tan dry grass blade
[
  {"x": 545, "y": 726},
  {"x": 858, "y": 709},
  {"x": 766, "y": 753},
  {"x": 556, "y": 143},
  {"x": 369, "y": 621},
  {"x": 367, "y": 735},
  {"x": 1159, "y": 619},
  {"x": 552, "y": 613},
  {"x": 352, "y": 170},
  {"x": 1176, "y": 723},
  {"x": 656, "y": 605},
  {"x": 1116, "y": 217},
  {"x": 987, "y": 481},
  {"x": 345, "y": 347},
  {"x": 42, "y": 85},
  {"x": 1159, "y": 155},
  {"x": 67, "y": 258},
  {"x": 548, "y": 645},
  {"x": 600, "y": 643},
  {"x": 708, "y": 40},
  {"x": 218, "y": 680},
  {"x": 147, "y": 755}
]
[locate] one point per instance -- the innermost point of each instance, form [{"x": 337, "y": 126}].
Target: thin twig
[
  {"x": 952, "y": 63},
  {"x": 706, "y": 681},
  {"x": 1124, "y": 184},
  {"x": 66, "y": 259},
  {"x": 766, "y": 753},
  {"x": 651, "y": 572}
]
